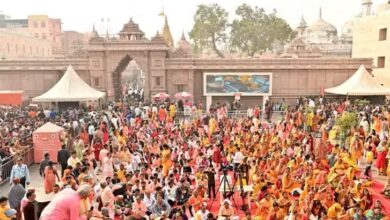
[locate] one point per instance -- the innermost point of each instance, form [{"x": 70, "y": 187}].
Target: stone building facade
[
  {"x": 43, "y": 27},
  {"x": 38, "y": 26},
  {"x": 372, "y": 40},
  {"x": 174, "y": 70},
  {"x": 19, "y": 45}
]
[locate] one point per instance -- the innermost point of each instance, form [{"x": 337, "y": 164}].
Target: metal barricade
[
  {"x": 275, "y": 116},
  {"x": 6, "y": 164}
]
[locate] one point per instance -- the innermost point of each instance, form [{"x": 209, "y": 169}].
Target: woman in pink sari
[{"x": 50, "y": 178}]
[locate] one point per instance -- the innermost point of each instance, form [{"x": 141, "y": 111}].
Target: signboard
[{"x": 230, "y": 84}]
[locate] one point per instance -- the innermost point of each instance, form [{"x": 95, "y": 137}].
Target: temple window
[
  {"x": 158, "y": 80},
  {"x": 382, "y": 34},
  {"x": 381, "y": 62}
]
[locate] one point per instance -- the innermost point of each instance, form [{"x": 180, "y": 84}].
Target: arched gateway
[
  {"x": 171, "y": 70},
  {"x": 109, "y": 58}
]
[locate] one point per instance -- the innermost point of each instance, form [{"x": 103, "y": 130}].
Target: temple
[
  {"x": 320, "y": 40},
  {"x": 313, "y": 60},
  {"x": 166, "y": 33}
]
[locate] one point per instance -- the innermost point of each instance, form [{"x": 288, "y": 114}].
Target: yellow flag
[{"x": 161, "y": 14}]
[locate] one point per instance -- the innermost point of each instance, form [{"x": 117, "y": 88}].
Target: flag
[{"x": 161, "y": 13}]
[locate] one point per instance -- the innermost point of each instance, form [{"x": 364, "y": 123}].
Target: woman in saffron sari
[{"x": 166, "y": 160}]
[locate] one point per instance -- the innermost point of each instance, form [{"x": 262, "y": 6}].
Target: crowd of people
[{"x": 145, "y": 162}]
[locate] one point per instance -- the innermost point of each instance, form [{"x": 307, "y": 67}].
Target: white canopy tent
[
  {"x": 361, "y": 83},
  {"x": 70, "y": 88}
]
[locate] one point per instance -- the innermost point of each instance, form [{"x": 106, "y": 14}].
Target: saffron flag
[{"x": 161, "y": 13}]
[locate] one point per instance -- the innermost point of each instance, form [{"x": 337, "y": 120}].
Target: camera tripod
[{"x": 228, "y": 190}]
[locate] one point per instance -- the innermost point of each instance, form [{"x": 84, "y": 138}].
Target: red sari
[
  {"x": 96, "y": 150},
  {"x": 381, "y": 160}
]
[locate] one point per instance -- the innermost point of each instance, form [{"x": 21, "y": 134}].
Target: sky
[{"x": 81, "y": 15}]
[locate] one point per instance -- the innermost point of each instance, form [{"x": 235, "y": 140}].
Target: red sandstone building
[{"x": 171, "y": 70}]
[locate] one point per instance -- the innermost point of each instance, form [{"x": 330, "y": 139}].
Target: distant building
[
  {"x": 18, "y": 45},
  {"x": 43, "y": 27},
  {"x": 38, "y": 26},
  {"x": 109, "y": 61},
  {"x": 74, "y": 43},
  {"x": 372, "y": 40},
  {"x": 318, "y": 40},
  {"x": 7, "y": 22}
]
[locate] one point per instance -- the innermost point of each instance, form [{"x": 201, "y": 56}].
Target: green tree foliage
[
  {"x": 347, "y": 121},
  {"x": 255, "y": 31},
  {"x": 210, "y": 25}
]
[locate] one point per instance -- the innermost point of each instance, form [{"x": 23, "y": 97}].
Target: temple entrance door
[
  {"x": 128, "y": 81},
  {"x": 133, "y": 82}
]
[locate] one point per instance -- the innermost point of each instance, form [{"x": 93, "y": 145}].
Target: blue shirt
[{"x": 20, "y": 172}]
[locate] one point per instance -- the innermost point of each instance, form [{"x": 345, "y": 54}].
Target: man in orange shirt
[{"x": 195, "y": 202}]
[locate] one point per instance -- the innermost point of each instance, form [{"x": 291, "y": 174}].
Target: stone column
[
  {"x": 265, "y": 99},
  {"x": 190, "y": 82},
  {"x": 209, "y": 101}
]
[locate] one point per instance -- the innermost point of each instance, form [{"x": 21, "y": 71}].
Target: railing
[
  {"x": 6, "y": 164},
  {"x": 275, "y": 116}
]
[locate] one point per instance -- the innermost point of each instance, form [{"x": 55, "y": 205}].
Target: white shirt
[
  {"x": 115, "y": 122},
  {"x": 238, "y": 157},
  {"x": 149, "y": 201},
  {"x": 136, "y": 161},
  {"x": 75, "y": 124},
  {"x": 91, "y": 130},
  {"x": 249, "y": 112},
  {"x": 73, "y": 161},
  {"x": 137, "y": 111},
  {"x": 171, "y": 192},
  {"x": 311, "y": 103}
]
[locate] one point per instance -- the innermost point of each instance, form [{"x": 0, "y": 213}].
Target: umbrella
[
  {"x": 183, "y": 95},
  {"x": 161, "y": 95}
]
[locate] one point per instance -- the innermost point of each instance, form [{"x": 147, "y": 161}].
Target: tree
[
  {"x": 210, "y": 25},
  {"x": 347, "y": 121},
  {"x": 255, "y": 31}
]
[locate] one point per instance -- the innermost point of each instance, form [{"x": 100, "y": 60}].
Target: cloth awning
[
  {"x": 49, "y": 127},
  {"x": 70, "y": 88},
  {"x": 361, "y": 83}
]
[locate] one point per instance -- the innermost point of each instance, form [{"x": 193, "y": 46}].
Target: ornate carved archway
[{"x": 117, "y": 76}]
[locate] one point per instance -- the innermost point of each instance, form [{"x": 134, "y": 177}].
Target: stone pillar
[
  {"x": 145, "y": 67},
  {"x": 265, "y": 99},
  {"x": 190, "y": 83},
  {"x": 209, "y": 101}
]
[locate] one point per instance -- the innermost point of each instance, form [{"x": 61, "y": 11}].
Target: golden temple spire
[{"x": 166, "y": 33}]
